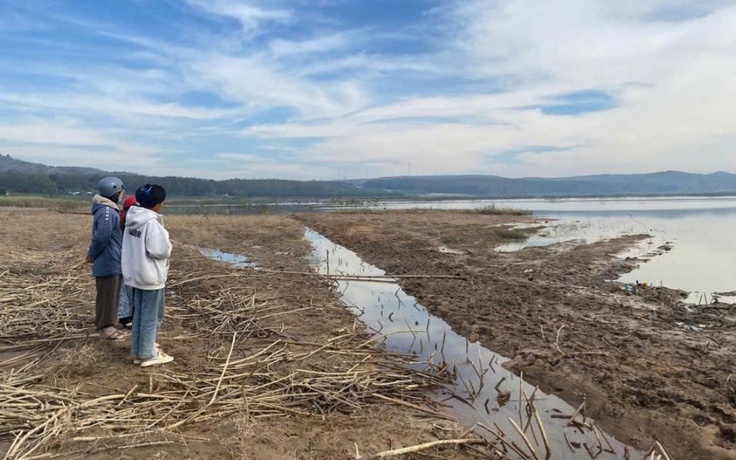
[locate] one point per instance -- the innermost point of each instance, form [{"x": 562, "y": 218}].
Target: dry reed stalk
[
  {"x": 420, "y": 447},
  {"x": 525, "y": 439},
  {"x": 575, "y": 414}
]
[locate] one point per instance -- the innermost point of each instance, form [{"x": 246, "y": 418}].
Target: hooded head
[
  {"x": 130, "y": 201},
  {"x": 138, "y": 216}
]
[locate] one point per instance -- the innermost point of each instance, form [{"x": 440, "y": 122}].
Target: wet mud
[{"x": 648, "y": 366}]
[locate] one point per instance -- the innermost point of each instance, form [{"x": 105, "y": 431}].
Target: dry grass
[
  {"x": 265, "y": 371},
  {"x": 59, "y": 204},
  {"x": 252, "y": 350}
]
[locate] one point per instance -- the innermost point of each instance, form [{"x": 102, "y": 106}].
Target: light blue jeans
[{"x": 148, "y": 312}]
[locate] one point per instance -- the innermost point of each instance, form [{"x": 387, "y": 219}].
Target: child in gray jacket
[{"x": 104, "y": 253}]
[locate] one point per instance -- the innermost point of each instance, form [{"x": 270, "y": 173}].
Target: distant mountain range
[
  {"x": 660, "y": 183},
  {"x": 17, "y": 176}
]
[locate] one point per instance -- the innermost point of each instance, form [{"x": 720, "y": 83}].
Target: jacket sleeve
[
  {"x": 102, "y": 232},
  {"x": 158, "y": 244}
]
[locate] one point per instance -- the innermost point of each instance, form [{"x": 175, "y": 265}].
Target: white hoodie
[{"x": 146, "y": 250}]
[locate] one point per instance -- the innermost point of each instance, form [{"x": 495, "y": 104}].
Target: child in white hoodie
[{"x": 145, "y": 266}]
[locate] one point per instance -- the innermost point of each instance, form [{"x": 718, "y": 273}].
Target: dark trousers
[{"x": 106, "y": 303}]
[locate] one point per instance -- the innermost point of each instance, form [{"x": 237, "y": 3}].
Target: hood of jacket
[
  {"x": 138, "y": 216},
  {"x": 100, "y": 201}
]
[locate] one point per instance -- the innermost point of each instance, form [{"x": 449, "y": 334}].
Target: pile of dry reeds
[{"x": 41, "y": 313}]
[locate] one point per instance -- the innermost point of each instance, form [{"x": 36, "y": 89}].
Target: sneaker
[
  {"x": 161, "y": 358},
  {"x": 158, "y": 348}
]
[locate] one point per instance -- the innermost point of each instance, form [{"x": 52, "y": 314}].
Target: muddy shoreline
[{"x": 644, "y": 374}]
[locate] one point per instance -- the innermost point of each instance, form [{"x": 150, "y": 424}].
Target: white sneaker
[
  {"x": 155, "y": 344},
  {"x": 161, "y": 358}
]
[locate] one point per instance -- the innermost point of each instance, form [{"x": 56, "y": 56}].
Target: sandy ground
[
  {"x": 302, "y": 382},
  {"x": 645, "y": 375}
]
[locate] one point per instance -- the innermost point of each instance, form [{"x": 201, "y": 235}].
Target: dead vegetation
[{"x": 267, "y": 365}]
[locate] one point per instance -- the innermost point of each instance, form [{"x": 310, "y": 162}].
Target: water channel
[{"x": 484, "y": 396}]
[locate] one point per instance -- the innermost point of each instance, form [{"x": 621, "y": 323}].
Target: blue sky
[{"x": 327, "y": 89}]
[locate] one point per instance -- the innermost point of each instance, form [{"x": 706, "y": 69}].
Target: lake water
[{"x": 699, "y": 230}]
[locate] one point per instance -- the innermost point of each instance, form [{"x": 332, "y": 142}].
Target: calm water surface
[
  {"x": 700, "y": 231},
  {"x": 483, "y": 393}
]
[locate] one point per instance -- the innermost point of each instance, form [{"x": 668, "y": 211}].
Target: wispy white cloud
[
  {"x": 250, "y": 14},
  {"x": 319, "y": 45},
  {"x": 468, "y": 85},
  {"x": 665, "y": 76},
  {"x": 90, "y": 104},
  {"x": 255, "y": 82},
  {"x": 250, "y": 166},
  {"x": 59, "y": 132}
]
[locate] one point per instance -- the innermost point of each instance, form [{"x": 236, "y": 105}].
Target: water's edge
[{"x": 484, "y": 396}]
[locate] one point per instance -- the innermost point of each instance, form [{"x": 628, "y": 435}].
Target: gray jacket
[{"x": 107, "y": 238}]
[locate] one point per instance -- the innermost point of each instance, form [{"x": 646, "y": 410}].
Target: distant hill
[
  {"x": 661, "y": 183},
  {"x": 17, "y": 176},
  {"x": 9, "y": 164}
]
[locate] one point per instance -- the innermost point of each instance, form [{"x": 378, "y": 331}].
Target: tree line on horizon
[
  {"x": 17, "y": 176},
  {"x": 23, "y": 177},
  {"x": 77, "y": 184}
]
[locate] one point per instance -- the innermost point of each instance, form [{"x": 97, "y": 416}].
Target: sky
[{"x": 332, "y": 89}]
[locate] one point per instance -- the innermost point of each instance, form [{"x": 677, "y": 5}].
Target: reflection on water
[
  {"x": 580, "y": 229},
  {"x": 483, "y": 391},
  {"x": 702, "y": 259},
  {"x": 698, "y": 249}
]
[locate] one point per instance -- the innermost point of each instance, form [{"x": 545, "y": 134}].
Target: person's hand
[{"x": 89, "y": 260}]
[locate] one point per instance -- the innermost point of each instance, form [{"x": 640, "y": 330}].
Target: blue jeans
[{"x": 148, "y": 312}]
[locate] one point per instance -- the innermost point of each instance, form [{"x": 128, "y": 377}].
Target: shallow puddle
[
  {"x": 233, "y": 259},
  {"x": 484, "y": 395}
]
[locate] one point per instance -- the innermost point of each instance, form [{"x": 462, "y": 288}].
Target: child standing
[
  {"x": 145, "y": 264},
  {"x": 125, "y": 307},
  {"x": 104, "y": 254}
]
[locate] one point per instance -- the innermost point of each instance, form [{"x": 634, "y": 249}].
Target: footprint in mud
[{"x": 728, "y": 434}]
